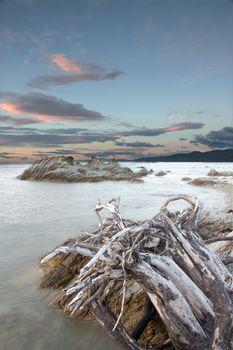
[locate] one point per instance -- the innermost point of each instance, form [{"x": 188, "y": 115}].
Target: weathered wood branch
[
  {"x": 218, "y": 239},
  {"x": 188, "y": 285}
]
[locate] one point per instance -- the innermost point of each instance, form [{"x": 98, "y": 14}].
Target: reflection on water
[{"x": 35, "y": 217}]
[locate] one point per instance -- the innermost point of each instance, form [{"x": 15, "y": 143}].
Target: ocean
[{"x": 35, "y": 217}]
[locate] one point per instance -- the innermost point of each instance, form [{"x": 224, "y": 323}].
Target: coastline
[{"x": 226, "y": 186}]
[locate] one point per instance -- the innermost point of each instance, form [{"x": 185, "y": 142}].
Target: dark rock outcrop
[{"x": 65, "y": 169}]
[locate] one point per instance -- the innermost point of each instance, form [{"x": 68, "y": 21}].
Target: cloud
[
  {"x": 6, "y": 155},
  {"x": 62, "y": 152},
  {"x": 126, "y": 125},
  {"x": 216, "y": 138},
  {"x": 75, "y": 72},
  {"x": 188, "y": 115},
  {"x": 11, "y": 156},
  {"x": 180, "y": 117},
  {"x": 29, "y": 136},
  {"x": 127, "y": 154},
  {"x": 10, "y": 136},
  {"x": 138, "y": 144},
  {"x": 160, "y": 131},
  {"x": 46, "y": 108},
  {"x": 84, "y": 153},
  {"x": 111, "y": 153},
  {"x": 48, "y": 140},
  {"x": 65, "y": 64},
  {"x": 5, "y": 130},
  {"x": 203, "y": 111},
  {"x": 6, "y": 119}
]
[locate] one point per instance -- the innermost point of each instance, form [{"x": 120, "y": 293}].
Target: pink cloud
[
  {"x": 176, "y": 127},
  {"x": 11, "y": 107},
  {"x": 73, "y": 72},
  {"x": 65, "y": 63},
  {"x": 45, "y": 108}
]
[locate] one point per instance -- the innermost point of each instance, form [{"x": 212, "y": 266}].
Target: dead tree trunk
[{"x": 188, "y": 285}]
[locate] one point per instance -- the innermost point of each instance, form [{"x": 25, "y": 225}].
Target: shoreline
[
  {"x": 227, "y": 188},
  {"x": 222, "y": 184}
]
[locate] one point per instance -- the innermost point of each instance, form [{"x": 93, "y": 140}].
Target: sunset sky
[{"x": 122, "y": 78}]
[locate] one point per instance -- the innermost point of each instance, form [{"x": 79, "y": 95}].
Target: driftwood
[{"x": 187, "y": 285}]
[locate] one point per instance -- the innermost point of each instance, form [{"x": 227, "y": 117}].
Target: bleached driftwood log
[{"x": 187, "y": 284}]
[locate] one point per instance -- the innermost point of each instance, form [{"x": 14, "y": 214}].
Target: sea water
[{"x": 35, "y": 217}]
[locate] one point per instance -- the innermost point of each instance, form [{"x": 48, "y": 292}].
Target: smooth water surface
[{"x": 35, "y": 217}]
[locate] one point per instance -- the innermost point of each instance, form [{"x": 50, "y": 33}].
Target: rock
[
  {"x": 210, "y": 226},
  {"x": 161, "y": 173},
  {"x": 56, "y": 277},
  {"x": 143, "y": 171},
  {"x": 214, "y": 172},
  {"x": 65, "y": 169},
  {"x": 186, "y": 178},
  {"x": 61, "y": 270},
  {"x": 202, "y": 181}
]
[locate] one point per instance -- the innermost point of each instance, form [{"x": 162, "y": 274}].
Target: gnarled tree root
[{"x": 187, "y": 285}]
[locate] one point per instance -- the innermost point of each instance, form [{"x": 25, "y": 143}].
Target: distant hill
[{"x": 225, "y": 155}]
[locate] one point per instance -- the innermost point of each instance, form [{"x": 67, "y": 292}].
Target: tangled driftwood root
[{"x": 187, "y": 286}]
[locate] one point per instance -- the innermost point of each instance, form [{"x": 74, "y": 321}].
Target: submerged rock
[
  {"x": 186, "y": 178},
  {"x": 65, "y": 169},
  {"x": 161, "y": 173}
]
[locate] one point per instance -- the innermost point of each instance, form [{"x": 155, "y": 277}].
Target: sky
[{"x": 115, "y": 78}]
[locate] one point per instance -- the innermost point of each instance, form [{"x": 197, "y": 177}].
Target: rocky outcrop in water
[
  {"x": 186, "y": 178},
  {"x": 65, "y": 169},
  {"x": 202, "y": 181},
  {"x": 161, "y": 173},
  {"x": 214, "y": 172}
]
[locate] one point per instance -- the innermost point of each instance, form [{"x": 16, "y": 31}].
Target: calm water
[{"x": 35, "y": 217}]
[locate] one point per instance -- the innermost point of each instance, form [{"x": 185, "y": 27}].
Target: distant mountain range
[{"x": 225, "y": 155}]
